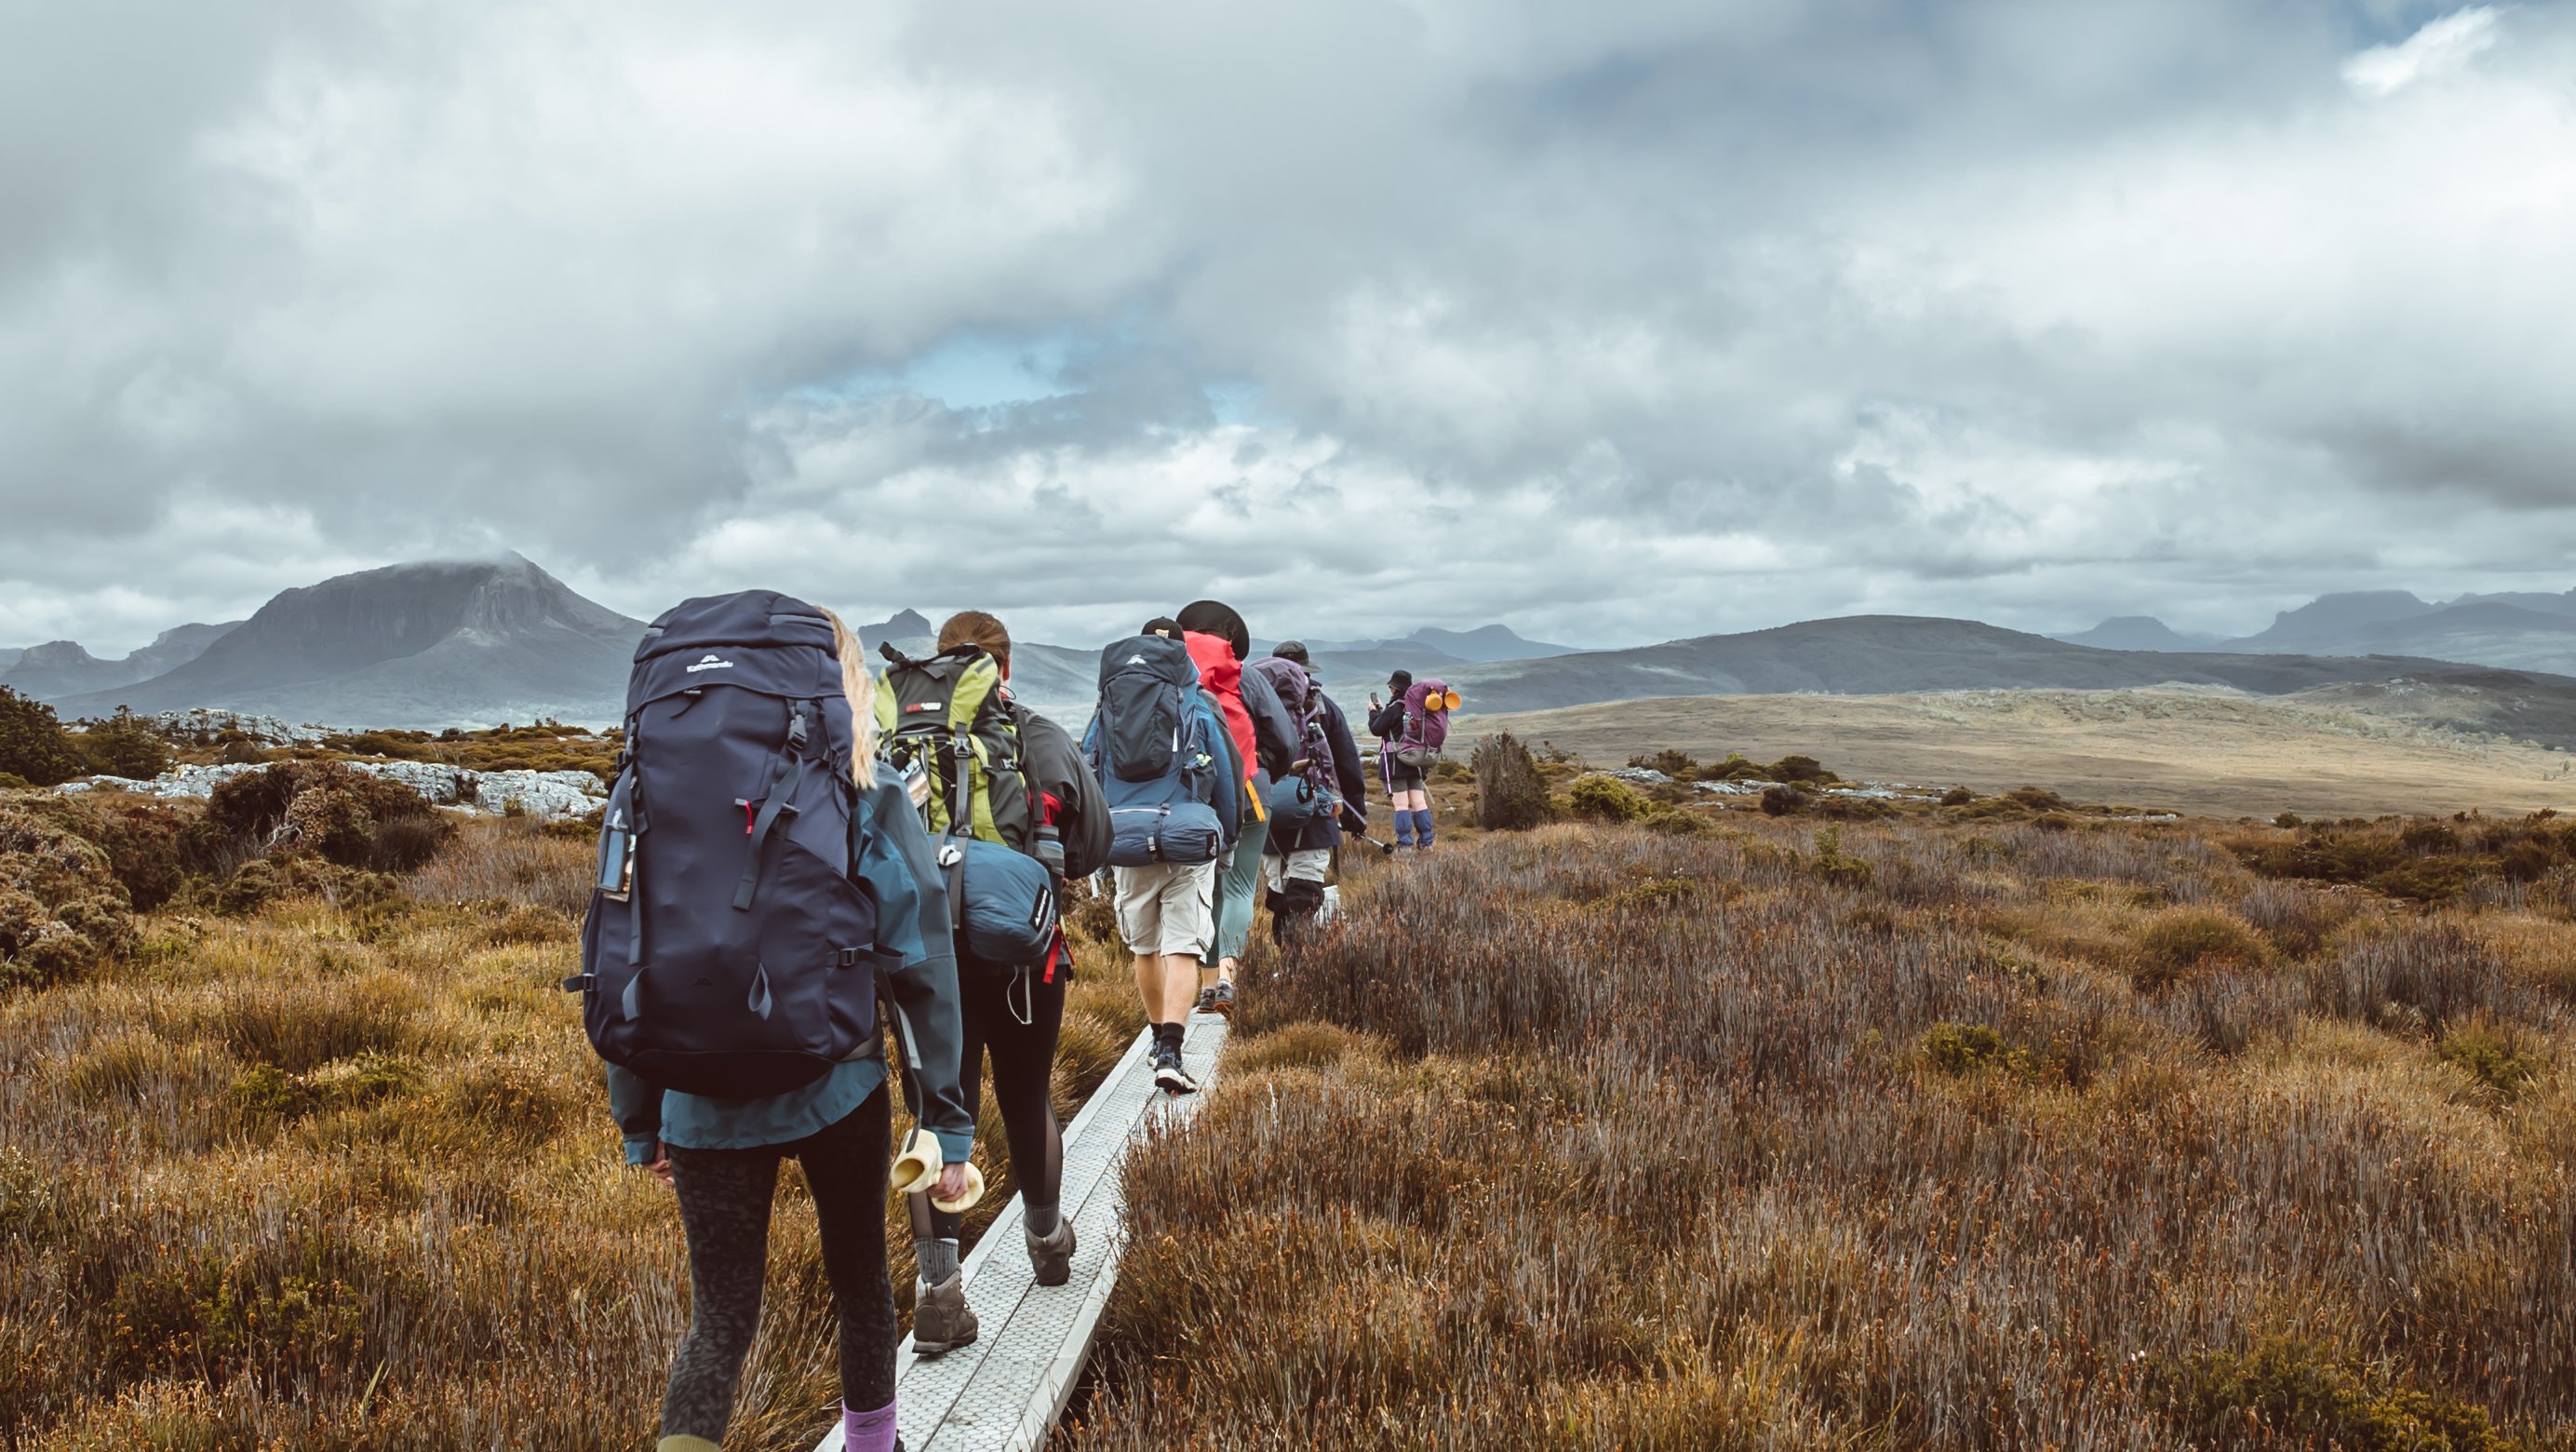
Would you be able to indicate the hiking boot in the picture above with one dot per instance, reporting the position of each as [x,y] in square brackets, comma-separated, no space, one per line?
[1207,1001]
[1221,1000]
[941,1319]
[1169,1076]
[1051,1256]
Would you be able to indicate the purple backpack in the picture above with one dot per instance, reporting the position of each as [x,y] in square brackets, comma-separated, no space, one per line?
[1426,723]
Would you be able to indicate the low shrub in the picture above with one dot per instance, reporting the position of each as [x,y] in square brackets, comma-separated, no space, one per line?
[1801,769]
[62,910]
[2181,942]
[1835,865]
[1964,1048]
[2502,1060]
[2294,1391]
[1784,801]
[349,818]
[1606,799]
[124,746]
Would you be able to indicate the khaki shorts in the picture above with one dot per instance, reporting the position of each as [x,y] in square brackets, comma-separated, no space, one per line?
[1167,909]
[1308,865]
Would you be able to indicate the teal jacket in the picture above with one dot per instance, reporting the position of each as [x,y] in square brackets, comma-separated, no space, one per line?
[894,867]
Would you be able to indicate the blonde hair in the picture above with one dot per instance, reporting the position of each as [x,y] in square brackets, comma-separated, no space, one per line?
[861,688]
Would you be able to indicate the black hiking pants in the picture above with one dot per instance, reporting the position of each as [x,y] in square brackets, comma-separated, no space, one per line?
[991,1006]
[724,1206]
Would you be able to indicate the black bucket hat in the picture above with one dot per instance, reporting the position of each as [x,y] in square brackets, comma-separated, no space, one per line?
[1211,617]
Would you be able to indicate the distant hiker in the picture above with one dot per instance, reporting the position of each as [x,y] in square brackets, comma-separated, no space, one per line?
[1266,742]
[1166,763]
[1412,728]
[1325,790]
[732,976]
[1025,790]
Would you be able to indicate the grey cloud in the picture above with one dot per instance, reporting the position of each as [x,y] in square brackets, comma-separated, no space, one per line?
[1616,321]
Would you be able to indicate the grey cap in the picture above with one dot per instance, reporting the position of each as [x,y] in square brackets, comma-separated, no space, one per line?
[1292,650]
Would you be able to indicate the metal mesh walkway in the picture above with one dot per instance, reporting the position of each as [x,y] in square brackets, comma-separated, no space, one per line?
[1004,1393]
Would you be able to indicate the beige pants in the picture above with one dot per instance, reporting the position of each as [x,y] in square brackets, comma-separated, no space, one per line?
[1308,865]
[1167,909]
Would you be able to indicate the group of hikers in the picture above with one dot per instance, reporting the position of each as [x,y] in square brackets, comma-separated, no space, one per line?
[801,851]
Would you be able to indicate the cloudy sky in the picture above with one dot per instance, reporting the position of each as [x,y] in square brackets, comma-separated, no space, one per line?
[1615,321]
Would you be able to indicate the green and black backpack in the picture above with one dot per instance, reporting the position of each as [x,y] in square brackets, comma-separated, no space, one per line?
[948,717]
[947,713]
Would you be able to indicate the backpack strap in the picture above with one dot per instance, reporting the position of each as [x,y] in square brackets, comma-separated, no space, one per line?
[785,776]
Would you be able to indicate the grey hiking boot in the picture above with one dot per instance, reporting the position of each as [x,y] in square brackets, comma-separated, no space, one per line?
[1051,1256]
[1207,1000]
[941,1319]
[1221,999]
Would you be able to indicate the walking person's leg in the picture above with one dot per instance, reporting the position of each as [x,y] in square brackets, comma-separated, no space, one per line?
[941,1319]
[1238,880]
[1301,891]
[845,1168]
[1023,1089]
[724,1210]
[1418,802]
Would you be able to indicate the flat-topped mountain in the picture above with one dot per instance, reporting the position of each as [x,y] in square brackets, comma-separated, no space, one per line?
[433,644]
[2136,632]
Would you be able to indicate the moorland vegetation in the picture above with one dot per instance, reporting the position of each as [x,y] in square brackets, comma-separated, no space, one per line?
[2028,1128]
[1992,1122]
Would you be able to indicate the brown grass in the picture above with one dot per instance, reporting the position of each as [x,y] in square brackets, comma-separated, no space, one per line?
[2026,1137]
[330,1176]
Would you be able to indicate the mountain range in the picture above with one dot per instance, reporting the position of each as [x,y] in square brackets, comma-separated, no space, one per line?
[2517,630]
[60,668]
[463,643]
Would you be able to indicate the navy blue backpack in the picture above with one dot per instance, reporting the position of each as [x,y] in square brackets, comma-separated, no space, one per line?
[1151,745]
[727,951]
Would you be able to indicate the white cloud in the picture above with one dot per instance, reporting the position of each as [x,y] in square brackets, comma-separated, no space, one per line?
[2442,46]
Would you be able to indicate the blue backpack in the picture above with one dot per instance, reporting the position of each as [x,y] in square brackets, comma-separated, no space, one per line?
[727,950]
[1153,744]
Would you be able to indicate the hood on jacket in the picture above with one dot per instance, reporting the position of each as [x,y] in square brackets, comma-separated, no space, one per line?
[1222,674]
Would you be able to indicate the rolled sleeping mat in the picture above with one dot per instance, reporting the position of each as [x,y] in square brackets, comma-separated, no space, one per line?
[917,1168]
[966,1202]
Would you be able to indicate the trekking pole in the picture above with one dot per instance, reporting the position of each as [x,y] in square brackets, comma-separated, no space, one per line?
[1387,848]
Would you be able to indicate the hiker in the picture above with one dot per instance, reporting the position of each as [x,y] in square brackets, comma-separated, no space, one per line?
[739,1015]
[1324,793]
[1172,781]
[1412,727]
[1266,743]
[1029,792]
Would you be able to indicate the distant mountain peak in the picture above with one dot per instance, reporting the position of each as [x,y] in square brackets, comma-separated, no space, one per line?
[2134,632]
[420,643]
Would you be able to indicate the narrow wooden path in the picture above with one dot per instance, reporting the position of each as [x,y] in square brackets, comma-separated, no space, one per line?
[1005,1392]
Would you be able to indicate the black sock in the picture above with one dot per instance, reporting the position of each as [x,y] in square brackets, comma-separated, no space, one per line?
[1167,1036]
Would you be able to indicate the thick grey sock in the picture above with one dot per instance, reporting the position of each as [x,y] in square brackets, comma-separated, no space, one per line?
[1041,1219]
[937,1257]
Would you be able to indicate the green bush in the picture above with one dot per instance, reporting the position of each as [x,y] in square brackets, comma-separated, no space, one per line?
[1679,765]
[61,908]
[123,746]
[1607,799]
[33,744]
[348,817]
[1964,1048]
[2292,1391]
[1801,770]
[1835,865]
[1784,801]
[2498,1059]
[1511,796]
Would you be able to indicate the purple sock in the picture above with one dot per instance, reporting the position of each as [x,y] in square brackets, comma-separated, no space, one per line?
[867,1431]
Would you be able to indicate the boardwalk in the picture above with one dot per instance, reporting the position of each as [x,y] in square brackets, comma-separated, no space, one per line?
[1004,1393]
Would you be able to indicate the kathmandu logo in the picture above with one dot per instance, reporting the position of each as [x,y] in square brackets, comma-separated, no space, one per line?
[710,663]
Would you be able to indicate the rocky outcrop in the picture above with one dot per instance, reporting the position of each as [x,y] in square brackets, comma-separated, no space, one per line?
[545,795]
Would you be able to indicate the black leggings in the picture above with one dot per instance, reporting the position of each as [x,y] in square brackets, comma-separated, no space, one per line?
[1023,1075]
[724,1205]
